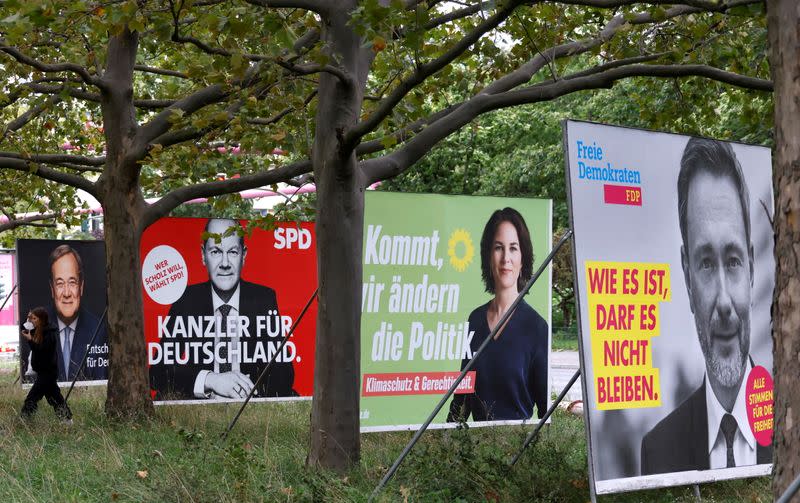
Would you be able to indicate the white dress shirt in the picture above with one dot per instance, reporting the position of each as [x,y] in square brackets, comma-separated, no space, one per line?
[61,335]
[744,442]
[220,329]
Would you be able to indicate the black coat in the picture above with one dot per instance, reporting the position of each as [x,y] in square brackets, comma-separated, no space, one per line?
[44,354]
[680,441]
[177,381]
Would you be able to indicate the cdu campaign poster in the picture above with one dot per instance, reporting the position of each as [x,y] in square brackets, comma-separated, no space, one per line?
[439,271]
[674,268]
[219,302]
[68,279]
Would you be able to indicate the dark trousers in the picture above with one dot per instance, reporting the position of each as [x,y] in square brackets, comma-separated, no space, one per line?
[46,387]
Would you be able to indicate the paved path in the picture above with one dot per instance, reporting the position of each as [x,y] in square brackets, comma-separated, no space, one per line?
[564,364]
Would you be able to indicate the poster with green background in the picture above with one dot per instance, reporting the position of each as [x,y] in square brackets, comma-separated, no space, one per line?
[421,281]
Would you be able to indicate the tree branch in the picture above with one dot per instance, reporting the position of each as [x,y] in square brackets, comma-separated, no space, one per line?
[29,221]
[454,15]
[401,159]
[280,115]
[29,115]
[174,137]
[82,72]
[310,69]
[178,196]
[321,7]
[160,71]
[50,174]
[706,5]
[93,97]
[160,124]
[526,71]
[56,158]
[422,72]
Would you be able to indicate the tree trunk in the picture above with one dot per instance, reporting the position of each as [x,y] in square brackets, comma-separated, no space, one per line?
[335,441]
[128,393]
[566,312]
[783,18]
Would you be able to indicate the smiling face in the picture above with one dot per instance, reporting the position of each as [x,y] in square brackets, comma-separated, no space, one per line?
[224,259]
[506,257]
[718,268]
[66,287]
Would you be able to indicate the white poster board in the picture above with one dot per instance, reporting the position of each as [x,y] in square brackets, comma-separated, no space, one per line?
[675,328]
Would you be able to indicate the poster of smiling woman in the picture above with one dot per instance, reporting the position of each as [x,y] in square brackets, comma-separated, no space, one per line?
[674,273]
[439,273]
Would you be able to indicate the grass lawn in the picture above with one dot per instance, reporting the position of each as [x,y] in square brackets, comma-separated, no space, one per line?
[176,456]
[565,340]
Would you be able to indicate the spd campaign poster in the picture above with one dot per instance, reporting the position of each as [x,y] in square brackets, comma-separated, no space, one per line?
[68,279]
[218,303]
[426,308]
[674,277]
[7,313]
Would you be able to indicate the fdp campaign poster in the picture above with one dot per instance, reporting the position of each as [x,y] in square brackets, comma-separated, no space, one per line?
[674,275]
[68,279]
[218,304]
[438,272]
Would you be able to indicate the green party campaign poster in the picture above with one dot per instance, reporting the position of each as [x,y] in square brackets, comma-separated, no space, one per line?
[439,271]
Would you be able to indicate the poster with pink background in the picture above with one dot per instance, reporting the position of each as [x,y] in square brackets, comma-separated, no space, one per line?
[8,313]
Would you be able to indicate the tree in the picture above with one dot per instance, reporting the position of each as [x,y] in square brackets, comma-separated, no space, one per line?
[784,40]
[73,63]
[352,88]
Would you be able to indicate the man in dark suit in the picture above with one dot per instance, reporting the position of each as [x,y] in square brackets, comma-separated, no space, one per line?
[710,429]
[76,324]
[245,315]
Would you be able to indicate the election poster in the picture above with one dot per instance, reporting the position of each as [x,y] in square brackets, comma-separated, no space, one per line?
[7,283]
[674,268]
[439,271]
[68,279]
[219,303]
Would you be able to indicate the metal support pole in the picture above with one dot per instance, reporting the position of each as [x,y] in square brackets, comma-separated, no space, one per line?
[85,355]
[790,491]
[470,364]
[266,369]
[8,296]
[532,435]
[696,489]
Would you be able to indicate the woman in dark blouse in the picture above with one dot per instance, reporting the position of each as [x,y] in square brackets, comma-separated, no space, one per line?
[511,373]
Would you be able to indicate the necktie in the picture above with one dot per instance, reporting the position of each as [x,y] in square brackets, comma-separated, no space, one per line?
[224,366]
[66,350]
[728,427]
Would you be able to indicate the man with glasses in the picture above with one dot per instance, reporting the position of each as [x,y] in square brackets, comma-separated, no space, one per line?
[76,324]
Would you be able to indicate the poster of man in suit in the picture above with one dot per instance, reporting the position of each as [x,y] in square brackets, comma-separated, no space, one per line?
[68,279]
[212,327]
[674,270]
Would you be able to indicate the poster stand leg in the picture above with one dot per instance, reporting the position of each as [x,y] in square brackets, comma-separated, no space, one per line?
[279,351]
[500,324]
[8,296]
[535,433]
[86,354]
[696,489]
[790,491]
